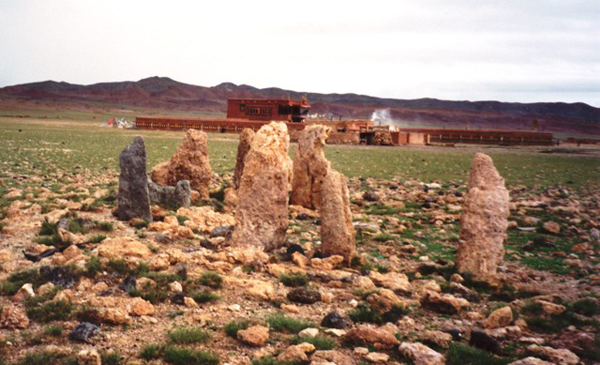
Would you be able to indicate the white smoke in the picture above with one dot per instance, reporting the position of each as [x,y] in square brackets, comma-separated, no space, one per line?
[382,117]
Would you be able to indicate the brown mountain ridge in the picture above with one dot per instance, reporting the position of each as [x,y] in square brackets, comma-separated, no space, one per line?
[165,93]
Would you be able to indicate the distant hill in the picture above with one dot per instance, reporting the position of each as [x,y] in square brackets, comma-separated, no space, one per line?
[165,93]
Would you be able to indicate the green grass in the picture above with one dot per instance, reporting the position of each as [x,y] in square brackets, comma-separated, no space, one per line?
[50,311]
[280,323]
[211,279]
[204,297]
[111,358]
[366,314]
[16,280]
[93,267]
[106,226]
[232,328]
[320,342]
[40,358]
[188,335]
[293,280]
[185,356]
[152,352]
[459,354]
[98,148]
[54,330]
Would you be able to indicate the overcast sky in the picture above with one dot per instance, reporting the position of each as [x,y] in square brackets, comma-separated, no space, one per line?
[521,50]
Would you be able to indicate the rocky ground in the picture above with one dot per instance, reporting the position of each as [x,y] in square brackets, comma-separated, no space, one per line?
[79,286]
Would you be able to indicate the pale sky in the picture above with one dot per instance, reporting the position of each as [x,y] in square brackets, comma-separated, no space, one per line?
[512,50]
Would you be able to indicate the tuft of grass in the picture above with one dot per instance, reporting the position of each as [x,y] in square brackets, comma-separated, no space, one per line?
[106,226]
[97,238]
[140,224]
[268,360]
[16,280]
[366,314]
[459,354]
[280,323]
[320,342]
[587,306]
[188,335]
[54,330]
[232,328]
[204,297]
[93,267]
[39,358]
[363,313]
[184,356]
[293,280]
[59,310]
[111,358]
[154,296]
[211,279]
[182,218]
[152,352]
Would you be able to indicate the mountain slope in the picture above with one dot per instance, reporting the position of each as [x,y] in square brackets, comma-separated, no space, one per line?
[163,92]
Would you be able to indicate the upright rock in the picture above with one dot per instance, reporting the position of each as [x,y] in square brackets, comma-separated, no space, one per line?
[483,222]
[243,147]
[262,208]
[337,232]
[310,166]
[173,197]
[190,162]
[133,199]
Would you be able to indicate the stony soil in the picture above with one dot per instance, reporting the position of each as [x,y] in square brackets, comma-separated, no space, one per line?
[403,278]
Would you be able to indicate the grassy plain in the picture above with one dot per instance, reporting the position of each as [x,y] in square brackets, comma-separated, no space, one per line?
[50,144]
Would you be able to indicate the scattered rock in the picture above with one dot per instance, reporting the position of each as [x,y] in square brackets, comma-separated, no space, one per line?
[120,247]
[262,207]
[13,317]
[304,296]
[173,197]
[225,230]
[296,353]
[89,357]
[141,307]
[333,320]
[310,167]
[484,221]
[552,227]
[254,336]
[84,332]
[443,303]
[328,263]
[377,357]
[337,232]
[25,292]
[59,275]
[530,361]
[128,284]
[482,340]
[308,333]
[499,318]
[420,354]
[397,282]
[379,337]
[190,162]
[133,198]
[438,338]
[557,356]
[331,356]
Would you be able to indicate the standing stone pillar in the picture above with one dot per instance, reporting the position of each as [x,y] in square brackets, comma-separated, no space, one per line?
[262,207]
[310,166]
[337,232]
[190,162]
[483,222]
[243,147]
[133,199]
